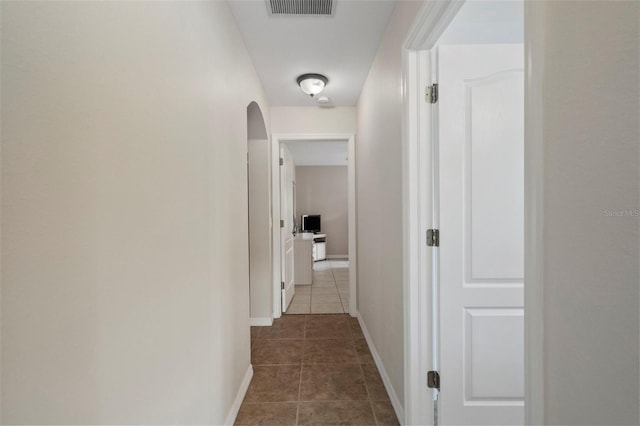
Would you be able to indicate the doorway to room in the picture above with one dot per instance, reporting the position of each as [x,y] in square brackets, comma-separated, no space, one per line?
[315,202]
[259,217]
[469,169]
[320,212]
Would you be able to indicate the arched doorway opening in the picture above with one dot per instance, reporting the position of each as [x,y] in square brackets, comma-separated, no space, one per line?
[259,223]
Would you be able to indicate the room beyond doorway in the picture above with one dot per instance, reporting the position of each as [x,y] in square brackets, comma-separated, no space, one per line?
[328,293]
[282,267]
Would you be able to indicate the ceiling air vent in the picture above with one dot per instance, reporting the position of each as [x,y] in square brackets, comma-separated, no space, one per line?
[300,7]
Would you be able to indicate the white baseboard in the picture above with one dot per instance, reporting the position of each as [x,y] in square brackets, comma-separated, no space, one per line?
[338,256]
[237,402]
[260,322]
[395,401]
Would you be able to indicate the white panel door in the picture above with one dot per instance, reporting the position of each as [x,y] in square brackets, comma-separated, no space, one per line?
[287,173]
[481,163]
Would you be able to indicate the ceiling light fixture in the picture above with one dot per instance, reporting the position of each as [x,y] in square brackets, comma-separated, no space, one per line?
[312,84]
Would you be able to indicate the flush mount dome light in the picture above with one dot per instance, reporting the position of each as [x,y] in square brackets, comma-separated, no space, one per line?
[312,84]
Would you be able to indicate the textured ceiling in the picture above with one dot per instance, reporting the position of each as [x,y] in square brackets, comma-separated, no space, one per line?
[341,46]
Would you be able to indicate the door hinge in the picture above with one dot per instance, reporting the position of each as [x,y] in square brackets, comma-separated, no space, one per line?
[281,223]
[433,380]
[431,93]
[282,285]
[281,161]
[433,237]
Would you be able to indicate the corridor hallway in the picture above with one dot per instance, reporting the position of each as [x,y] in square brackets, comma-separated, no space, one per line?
[314,370]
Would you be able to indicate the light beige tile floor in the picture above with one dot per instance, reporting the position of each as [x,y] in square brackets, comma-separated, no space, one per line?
[329,293]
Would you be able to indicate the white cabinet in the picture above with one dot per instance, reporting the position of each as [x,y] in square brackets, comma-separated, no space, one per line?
[307,248]
[303,259]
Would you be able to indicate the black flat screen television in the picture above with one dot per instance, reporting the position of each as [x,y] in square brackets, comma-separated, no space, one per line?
[311,223]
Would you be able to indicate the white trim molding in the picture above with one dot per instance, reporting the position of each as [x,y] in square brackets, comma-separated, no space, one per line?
[351,207]
[417,262]
[260,322]
[432,20]
[395,401]
[276,138]
[418,176]
[237,402]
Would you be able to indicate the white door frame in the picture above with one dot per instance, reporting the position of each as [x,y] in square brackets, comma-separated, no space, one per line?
[429,25]
[275,190]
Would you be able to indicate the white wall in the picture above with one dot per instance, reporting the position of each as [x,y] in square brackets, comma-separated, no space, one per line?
[260,261]
[125,296]
[323,190]
[591,137]
[379,197]
[310,120]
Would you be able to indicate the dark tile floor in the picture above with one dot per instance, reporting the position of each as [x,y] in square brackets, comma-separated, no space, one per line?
[314,370]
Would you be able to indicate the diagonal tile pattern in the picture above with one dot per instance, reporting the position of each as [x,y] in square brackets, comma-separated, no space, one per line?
[329,293]
[314,370]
